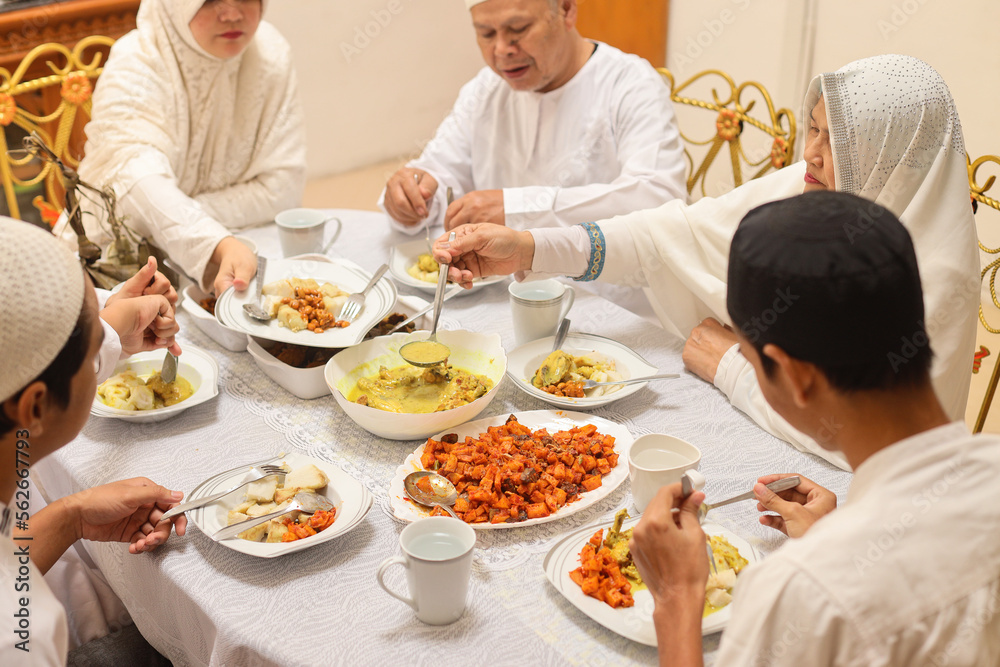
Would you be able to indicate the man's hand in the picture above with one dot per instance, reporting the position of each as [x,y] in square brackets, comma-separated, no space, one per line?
[482,250]
[668,547]
[126,511]
[143,323]
[705,348]
[477,206]
[407,194]
[237,265]
[798,509]
[146,281]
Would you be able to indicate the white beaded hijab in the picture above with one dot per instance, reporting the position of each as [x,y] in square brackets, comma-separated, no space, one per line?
[31,260]
[164,106]
[897,169]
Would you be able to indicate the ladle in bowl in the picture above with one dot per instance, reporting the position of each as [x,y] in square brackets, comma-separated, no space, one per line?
[442,492]
[429,352]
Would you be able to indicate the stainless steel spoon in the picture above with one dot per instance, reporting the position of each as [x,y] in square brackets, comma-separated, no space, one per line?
[561,333]
[253,310]
[304,501]
[431,352]
[442,494]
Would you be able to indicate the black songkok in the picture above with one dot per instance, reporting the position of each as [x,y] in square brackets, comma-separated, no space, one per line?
[828,277]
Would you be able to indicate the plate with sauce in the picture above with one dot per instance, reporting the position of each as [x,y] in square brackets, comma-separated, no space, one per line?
[636,622]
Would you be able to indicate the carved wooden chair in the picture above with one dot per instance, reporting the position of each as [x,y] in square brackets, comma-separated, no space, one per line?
[56,103]
[989,310]
[731,105]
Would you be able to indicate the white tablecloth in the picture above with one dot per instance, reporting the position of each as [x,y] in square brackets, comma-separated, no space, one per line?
[200,603]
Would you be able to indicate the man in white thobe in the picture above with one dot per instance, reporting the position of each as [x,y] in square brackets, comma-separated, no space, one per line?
[907,571]
[555,131]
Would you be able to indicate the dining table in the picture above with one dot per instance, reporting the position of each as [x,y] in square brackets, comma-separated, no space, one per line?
[200,603]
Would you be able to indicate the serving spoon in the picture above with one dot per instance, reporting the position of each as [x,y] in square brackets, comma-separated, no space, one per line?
[253,310]
[429,351]
[443,493]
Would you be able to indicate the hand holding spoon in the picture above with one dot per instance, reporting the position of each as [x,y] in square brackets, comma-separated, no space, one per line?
[429,352]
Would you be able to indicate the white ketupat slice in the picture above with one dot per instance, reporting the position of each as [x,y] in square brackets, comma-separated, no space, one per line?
[261,509]
[280,288]
[718,597]
[256,533]
[307,477]
[235,517]
[285,494]
[262,491]
[276,529]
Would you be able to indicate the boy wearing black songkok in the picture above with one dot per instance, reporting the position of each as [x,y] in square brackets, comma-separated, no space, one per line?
[825,294]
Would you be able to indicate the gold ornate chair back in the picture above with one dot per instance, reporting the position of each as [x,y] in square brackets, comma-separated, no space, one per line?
[50,93]
[982,175]
[753,142]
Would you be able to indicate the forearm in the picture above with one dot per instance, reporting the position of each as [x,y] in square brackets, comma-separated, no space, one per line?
[52,530]
[176,222]
[678,633]
[256,201]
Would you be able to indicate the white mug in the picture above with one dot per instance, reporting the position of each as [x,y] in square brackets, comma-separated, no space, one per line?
[437,555]
[301,231]
[537,308]
[656,460]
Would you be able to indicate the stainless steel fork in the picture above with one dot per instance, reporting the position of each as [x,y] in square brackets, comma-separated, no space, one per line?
[352,307]
[257,473]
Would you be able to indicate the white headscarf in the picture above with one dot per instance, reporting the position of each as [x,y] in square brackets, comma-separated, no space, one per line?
[897,140]
[164,106]
[29,340]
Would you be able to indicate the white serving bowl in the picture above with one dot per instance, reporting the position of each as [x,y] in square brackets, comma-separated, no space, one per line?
[480,354]
[307,383]
[204,320]
[194,365]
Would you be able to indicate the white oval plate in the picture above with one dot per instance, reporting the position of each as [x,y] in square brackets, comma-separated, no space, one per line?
[553,420]
[194,365]
[525,360]
[350,497]
[404,255]
[635,623]
[346,275]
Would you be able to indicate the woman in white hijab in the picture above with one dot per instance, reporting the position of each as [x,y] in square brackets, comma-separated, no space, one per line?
[884,128]
[197,127]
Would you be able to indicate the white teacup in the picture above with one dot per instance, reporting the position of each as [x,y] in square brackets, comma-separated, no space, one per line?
[301,231]
[656,460]
[537,307]
[437,555]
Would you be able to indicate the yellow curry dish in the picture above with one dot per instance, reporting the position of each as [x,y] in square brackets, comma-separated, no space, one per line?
[563,374]
[415,390]
[127,391]
[426,269]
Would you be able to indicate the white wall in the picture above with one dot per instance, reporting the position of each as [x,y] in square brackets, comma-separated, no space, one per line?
[376,76]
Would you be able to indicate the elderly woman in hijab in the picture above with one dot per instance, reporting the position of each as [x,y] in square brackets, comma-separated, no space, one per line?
[197,127]
[884,128]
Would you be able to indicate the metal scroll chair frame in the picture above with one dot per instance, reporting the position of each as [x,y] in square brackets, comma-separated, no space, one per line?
[732,106]
[978,193]
[75,83]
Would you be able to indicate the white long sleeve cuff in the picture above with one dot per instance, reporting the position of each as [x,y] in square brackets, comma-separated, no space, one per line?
[562,251]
